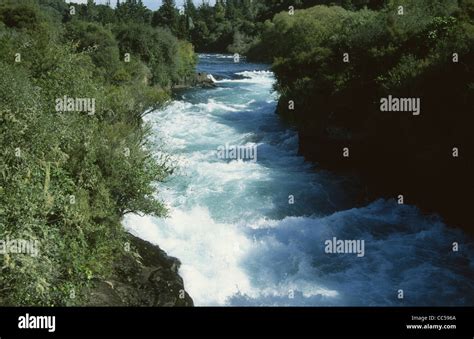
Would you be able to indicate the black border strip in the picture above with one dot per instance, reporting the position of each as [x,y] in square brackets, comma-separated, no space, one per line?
[240,321]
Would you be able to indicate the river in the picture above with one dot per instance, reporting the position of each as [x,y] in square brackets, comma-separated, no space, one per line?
[256,231]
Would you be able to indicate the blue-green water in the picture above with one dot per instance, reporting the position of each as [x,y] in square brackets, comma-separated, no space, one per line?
[241,240]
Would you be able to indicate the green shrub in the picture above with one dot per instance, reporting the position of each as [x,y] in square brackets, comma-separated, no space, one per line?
[67,178]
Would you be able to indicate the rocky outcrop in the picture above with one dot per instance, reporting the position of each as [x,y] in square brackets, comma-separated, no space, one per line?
[200,79]
[144,276]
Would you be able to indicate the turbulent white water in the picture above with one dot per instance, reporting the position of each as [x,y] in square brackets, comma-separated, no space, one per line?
[242,243]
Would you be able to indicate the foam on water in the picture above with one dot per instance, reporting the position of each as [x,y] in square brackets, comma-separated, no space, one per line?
[242,243]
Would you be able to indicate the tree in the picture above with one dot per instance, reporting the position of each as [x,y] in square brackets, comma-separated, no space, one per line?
[166,16]
[230,10]
[190,9]
[133,11]
[219,11]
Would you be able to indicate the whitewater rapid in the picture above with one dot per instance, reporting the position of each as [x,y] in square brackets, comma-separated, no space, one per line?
[241,241]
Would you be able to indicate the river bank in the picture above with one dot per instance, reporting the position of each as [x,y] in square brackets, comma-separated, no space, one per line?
[144,276]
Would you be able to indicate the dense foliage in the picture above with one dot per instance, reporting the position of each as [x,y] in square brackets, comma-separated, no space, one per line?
[67,177]
[233,26]
[424,50]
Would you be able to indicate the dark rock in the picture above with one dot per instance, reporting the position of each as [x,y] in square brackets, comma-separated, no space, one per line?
[145,276]
[203,80]
[200,79]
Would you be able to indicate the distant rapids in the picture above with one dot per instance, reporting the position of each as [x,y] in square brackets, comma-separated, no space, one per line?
[243,240]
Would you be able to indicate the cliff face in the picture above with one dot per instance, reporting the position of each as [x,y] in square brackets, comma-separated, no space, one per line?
[145,276]
[394,156]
